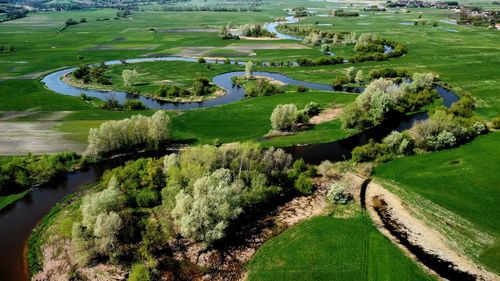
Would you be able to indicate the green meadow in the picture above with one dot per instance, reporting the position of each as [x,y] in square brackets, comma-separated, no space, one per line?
[465,182]
[328,248]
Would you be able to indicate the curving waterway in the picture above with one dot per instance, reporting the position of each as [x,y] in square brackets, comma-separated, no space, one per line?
[18,220]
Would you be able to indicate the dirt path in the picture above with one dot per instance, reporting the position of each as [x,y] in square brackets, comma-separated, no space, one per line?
[326,115]
[37,137]
[419,233]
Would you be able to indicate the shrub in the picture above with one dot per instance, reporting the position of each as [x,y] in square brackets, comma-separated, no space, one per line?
[303,184]
[326,169]
[201,86]
[201,60]
[302,89]
[337,193]
[134,105]
[495,123]
[444,139]
[147,198]
[312,109]
[284,117]
[260,87]
[139,272]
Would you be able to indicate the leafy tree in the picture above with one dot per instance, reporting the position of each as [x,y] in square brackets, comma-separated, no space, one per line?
[249,70]
[129,77]
[106,229]
[284,117]
[205,214]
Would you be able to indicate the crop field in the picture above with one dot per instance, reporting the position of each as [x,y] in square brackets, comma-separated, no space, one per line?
[327,248]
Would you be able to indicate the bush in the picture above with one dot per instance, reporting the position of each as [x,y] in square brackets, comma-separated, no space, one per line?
[444,139]
[337,193]
[260,88]
[302,89]
[139,272]
[495,123]
[312,109]
[201,60]
[326,169]
[284,117]
[303,184]
[201,86]
[147,198]
[134,105]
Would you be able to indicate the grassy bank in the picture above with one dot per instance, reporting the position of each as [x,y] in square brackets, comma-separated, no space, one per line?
[327,248]
[9,199]
[463,181]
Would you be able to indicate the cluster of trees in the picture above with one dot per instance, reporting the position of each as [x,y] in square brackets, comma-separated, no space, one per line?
[383,98]
[112,104]
[225,33]
[124,13]
[260,88]
[14,13]
[21,172]
[255,30]
[201,86]
[137,132]
[209,9]
[95,74]
[197,193]
[320,61]
[445,128]
[70,22]
[344,13]
[351,76]
[286,117]
[300,12]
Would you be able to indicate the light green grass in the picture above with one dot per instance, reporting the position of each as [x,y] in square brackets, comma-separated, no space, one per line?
[327,248]
[249,119]
[462,180]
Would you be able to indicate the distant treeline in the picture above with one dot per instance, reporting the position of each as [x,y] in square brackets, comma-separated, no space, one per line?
[209,9]
[13,13]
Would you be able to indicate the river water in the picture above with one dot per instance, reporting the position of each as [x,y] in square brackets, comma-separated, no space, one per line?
[18,220]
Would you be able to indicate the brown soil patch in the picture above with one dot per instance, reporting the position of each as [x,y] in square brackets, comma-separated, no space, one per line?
[418,232]
[326,115]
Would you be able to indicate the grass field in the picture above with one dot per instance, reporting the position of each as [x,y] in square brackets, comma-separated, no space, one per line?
[464,181]
[327,248]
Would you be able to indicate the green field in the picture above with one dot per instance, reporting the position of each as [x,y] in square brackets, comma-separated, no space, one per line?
[464,181]
[327,248]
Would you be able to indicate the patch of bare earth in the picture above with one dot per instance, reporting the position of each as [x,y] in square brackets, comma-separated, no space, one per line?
[37,137]
[326,115]
[58,265]
[418,232]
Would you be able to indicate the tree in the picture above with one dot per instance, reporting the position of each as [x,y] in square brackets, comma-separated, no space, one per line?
[325,48]
[205,214]
[337,193]
[129,77]
[106,230]
[351,74]
[360,77]
[284,117]
[249,70]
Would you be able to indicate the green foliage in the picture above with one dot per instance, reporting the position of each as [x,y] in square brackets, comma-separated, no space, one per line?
[134,105]
[260,88]
[147,198]
[21,172]
[135,132]
[139,272]
[284,117]
[303,184]
[337,193]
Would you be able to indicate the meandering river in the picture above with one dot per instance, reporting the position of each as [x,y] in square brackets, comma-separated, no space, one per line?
[18,220]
